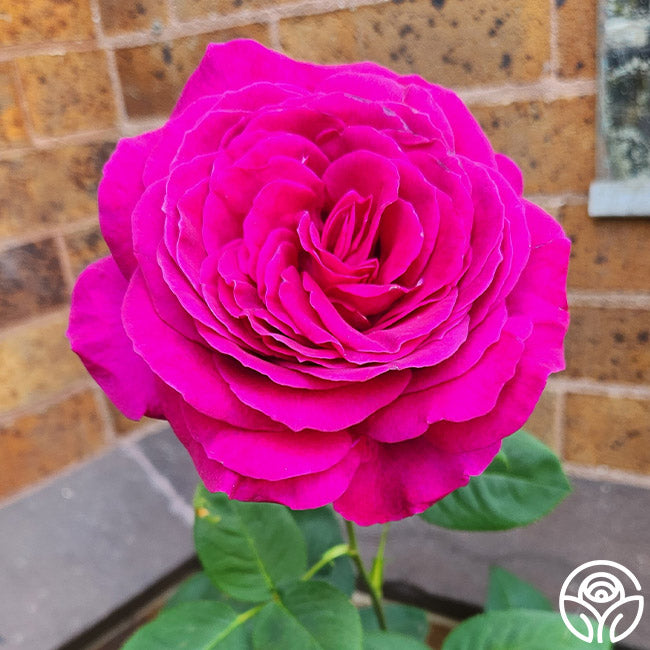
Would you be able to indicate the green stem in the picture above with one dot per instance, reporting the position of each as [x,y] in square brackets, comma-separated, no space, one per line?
[375,594]
[377,571]
[329,556]
[240,620]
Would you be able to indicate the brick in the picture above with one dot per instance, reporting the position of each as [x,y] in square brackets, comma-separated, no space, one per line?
[68,93]
[35,362]
[46,188]
[322,38]
[153,75]
[608,431]
[189,9]
[606,253]
[34,21]
[460,42]
[85,247]
[39,444]
[553,142]
[31,281]
[542,421]
[609,344]
[12,125]
[577,37]
[132,15]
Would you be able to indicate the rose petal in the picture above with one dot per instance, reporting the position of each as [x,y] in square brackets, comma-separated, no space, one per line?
[268,455]
[119,190]
[190,370]
[97,335]
[323,410]
[400,480]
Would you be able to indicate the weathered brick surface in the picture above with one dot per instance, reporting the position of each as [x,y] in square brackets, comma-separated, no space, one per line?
[12,123]
[31,281]
[609,344]
[36,362]
[153,76]
[553,142]
[608,431]
[68,93]
[606,253]
[189,9]
[85,247]
[35,21]
[120,16]
[39,444]
[323,38]
[44,188]
[577,37]
[459,42]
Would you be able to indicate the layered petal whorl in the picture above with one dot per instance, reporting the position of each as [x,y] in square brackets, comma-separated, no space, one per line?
[328,283]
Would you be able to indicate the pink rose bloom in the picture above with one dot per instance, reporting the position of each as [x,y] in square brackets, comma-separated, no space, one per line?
[328,283]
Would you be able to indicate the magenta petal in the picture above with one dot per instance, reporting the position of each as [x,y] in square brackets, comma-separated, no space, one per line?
[268,455]
[119,191]
[216,74]
[97,335]
[475,392]
[546,271]
[300,492]
[323,410]
[181,363]
[148,227]
[509,169]
[400,480]
[469,139]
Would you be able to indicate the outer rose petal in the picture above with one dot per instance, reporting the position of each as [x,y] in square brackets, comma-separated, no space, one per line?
[299,493]
[511,172]
[216,74]
[263,454]
[119,191]
[97,335]
[180,363]
[403,479]
[546,272]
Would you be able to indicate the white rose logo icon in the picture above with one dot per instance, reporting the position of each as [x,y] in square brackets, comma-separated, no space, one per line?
[607,594]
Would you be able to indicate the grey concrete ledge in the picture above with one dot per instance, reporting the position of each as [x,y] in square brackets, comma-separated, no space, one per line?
[620,198]
[76,550]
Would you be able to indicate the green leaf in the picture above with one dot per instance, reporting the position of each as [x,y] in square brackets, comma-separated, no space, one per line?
[516,629]
[308,616]
[248,550]
[404,619]
[199,625]
[391,641]
[322,531]
[507,591]
[523,483]
[200,587]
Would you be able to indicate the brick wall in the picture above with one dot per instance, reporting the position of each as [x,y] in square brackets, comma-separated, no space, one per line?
[75,75]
